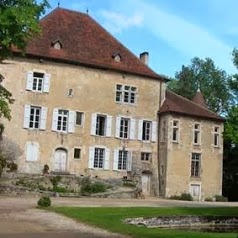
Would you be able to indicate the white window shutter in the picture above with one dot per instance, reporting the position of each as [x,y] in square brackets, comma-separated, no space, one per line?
[129,161]
[107,159]
[118,124]
[91,157]
[154,131]
[115,161]
[93,124]
[140,129]
[71,122]
[29,80]
[55,119]
[43,118]
[27,110]
[132,128]
[109,126]
[46,87]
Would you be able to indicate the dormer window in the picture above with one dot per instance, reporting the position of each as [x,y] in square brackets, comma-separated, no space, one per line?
[57,45]
[117,57]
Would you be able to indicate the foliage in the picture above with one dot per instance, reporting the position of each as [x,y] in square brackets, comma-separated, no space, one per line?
[204,75]
[112,219]
[44,202]
[19,22]
[220,198]
[88,187]
[183,196]
[46,169]
[12,166]
[55,181]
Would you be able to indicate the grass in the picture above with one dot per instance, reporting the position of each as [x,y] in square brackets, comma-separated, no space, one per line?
[111,219]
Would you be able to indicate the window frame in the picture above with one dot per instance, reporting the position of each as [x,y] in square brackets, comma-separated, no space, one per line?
[81,118]
[39,81]
[197,133]
[146,131]
[101,125]
[146,154]
[80,153]
[126,94]
[216,136]
[195,169]
[34,120]
[61,125]
[175,131]
[99,151]
[124,131]
[123,159]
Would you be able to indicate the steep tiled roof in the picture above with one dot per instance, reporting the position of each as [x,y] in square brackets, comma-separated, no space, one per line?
[199,99]
[83,42]
[180,105]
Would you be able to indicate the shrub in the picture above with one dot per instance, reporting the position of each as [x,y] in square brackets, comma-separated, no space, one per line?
[44,202]
[220,198]
[87,187]
[209,199]
[12,166]
[46,169]
[183,196]
[55,181]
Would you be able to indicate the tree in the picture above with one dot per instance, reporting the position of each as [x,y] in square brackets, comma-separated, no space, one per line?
[204,75]
[19,22]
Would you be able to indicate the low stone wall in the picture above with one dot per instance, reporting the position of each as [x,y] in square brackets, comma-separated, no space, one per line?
[183,221]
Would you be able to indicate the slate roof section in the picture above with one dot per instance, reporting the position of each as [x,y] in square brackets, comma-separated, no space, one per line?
[84,42]
[179,105]
[199,99]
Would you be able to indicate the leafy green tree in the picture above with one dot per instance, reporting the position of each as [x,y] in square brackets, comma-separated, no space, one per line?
[204,75]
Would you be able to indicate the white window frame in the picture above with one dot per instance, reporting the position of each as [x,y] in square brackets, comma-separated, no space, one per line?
[126,94]
[146,156]
[122,160]
[124,128]
[196,159]
[106,158]
[175,131]
[197,132]
[34,80]
[216,136]
[121,131]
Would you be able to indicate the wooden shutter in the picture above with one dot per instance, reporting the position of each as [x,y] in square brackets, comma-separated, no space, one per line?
[109,126]
[118,124]
[140,129]
[107,159]
[93,124]
[115,161]
[43,118]
[71,122]
[132,128]
[55,119]
[29,80]
[27,110]
[154,131]
[46,86]
[91,157]
[129,161]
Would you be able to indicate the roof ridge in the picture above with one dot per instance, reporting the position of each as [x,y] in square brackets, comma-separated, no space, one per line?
[186,99]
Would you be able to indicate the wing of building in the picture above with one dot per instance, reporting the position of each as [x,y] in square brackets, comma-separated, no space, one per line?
[86,105]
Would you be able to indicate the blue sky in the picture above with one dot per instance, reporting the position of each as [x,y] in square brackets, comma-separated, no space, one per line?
[172,31]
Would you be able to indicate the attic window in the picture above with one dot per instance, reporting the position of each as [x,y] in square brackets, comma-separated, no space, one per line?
[117,57]
[57,45]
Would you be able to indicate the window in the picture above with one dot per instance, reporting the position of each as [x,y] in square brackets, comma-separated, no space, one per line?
[196,165]
[99,158]
[35,117]
[122,160]
[216,134]
[146,133]
[32,151]
[77,153]
[196,134]
[175,131]
[101,125]
[125,94]
[145,156]
[79,119]
[38,81]
[124,128]
[70,92]
[63,120]
[99,155]
[163,134]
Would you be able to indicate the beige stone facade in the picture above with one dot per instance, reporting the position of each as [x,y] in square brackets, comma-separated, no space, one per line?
[186,166]
[92,91]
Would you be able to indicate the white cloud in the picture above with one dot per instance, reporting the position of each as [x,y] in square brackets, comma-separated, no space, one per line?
[116,22]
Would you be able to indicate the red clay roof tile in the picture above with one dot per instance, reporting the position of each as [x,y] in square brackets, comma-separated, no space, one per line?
[179,105]
[199,99]
[84,42]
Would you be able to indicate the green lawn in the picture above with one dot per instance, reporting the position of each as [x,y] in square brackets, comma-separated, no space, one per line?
[111,219]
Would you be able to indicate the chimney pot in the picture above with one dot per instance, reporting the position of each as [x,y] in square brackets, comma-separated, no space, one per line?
[144,57]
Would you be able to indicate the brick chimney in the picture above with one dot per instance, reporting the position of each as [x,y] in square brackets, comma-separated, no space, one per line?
[144,57]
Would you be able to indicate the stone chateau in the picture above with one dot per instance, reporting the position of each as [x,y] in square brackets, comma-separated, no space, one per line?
[86,105]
